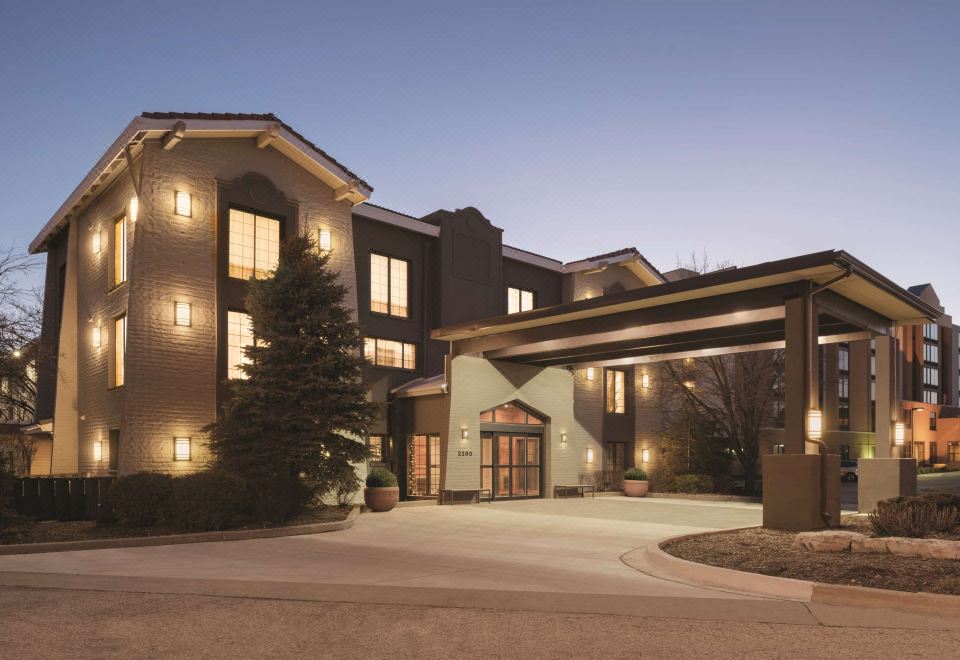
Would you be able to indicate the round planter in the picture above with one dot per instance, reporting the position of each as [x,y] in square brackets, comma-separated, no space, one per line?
[633,488]
[381,499]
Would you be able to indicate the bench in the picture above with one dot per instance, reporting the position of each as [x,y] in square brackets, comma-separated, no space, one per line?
[579,488]
[464,495]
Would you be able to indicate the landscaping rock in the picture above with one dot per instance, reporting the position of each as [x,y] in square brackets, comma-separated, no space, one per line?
[904,547]
[868,545]
[826,541]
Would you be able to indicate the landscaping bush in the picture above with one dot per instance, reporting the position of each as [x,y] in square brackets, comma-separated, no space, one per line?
[635,474]
[206,501]
[139,500]
[692,483]
[276,499]
[343,485]
[380,478]
[916,516]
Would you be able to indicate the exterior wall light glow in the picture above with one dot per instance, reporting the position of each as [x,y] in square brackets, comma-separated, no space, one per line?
[591,373]
[645,381]
[134,208]
[814,424]
[95,242]
[184,204]
[690,385]
[589,455]
[96,338]
[465,433]
[181,449]
[645,456]
[324,241]
[183,314]
[898,434]
[563,438]
[98,451]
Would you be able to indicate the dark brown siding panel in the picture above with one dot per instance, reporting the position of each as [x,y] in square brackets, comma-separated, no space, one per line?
[547,285]
[50,332]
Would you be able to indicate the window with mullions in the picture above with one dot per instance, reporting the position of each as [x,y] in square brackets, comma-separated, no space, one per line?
[254,245]
[843,387]
[378,448]
[953,452]
[616,391]
[239,336]
[423,477]
[120,251]
[931,353]
[388,286]
[931,376]
[843,359]
[519,300]
[930,396]
[390,353]
[931,331]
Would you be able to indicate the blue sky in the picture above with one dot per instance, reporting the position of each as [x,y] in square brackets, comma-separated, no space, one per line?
[751,130]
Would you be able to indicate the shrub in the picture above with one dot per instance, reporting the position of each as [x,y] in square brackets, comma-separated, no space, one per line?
[635,474]
[139,500]
[276,499]
[206,501]
[692,483]
[916,516]
[380,478]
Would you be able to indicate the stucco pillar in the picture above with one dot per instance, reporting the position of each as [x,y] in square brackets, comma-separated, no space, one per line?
[801,373]
[886,396]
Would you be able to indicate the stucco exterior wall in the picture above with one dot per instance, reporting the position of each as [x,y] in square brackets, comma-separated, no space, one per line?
[477,385]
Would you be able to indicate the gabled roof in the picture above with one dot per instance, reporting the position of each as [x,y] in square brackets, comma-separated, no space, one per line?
[629,257]
[172,127]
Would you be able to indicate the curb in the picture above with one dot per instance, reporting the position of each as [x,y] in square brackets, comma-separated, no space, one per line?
[652,560]
[710,497]
[178,539]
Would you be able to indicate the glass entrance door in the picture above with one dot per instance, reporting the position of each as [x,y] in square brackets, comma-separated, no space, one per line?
[423,477]
[510,464]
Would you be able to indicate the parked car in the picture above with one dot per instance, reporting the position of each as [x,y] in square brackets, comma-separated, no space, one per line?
[848,470]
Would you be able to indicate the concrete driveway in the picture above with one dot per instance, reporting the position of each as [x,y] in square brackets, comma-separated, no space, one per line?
[571,546]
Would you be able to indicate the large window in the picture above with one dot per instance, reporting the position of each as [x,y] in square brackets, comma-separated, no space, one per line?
[390,353]
[931,376]
[616,391]
[254,245]
[388,286]
[843,359]
[519,300]
[953,452]
[424,474]
[239,336]
[119,350]
[930,331]
[120,251]
[930,396]
[843,387]
[931,353]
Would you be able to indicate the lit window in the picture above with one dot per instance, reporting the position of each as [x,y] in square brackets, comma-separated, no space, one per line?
[931,376]
[97,451]
[388,286]
[933,421]
[953,452]
[645,381]
[843,359]
[95,242]
[119,350]
[843,387]
[134,209]
[324,241]
[389,353]
[181,449]
[184,204]
[377,445]
[96,336]
[182,316]
[616,394]
[120,251]
[239,336]
[591,373]
[519,300]
[254,245]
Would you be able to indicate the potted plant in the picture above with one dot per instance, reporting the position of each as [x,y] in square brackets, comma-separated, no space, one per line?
[635,483]
[382,492]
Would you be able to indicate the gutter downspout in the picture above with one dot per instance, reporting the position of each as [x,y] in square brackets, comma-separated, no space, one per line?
[822,446]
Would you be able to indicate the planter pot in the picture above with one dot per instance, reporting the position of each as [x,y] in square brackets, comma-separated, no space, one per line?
[381,499]
[633,488]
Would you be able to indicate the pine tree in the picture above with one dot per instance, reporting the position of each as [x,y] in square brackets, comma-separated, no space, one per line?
[294,425]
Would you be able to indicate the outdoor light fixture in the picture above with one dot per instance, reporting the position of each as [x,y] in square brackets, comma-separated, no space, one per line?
[96,336]
[17,353]
[591,373]
[98,451]
[645,381]
[134,209]
[589,455]
[644,455]
[465,433]
[182,316]
[95,243]
[181,449]
[689,384]
[184,204]
[898,433]
[814,424]
[324,241]
[563,438]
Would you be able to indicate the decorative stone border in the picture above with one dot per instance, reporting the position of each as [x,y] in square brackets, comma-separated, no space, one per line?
[713,497]
[840,541]
[177,539]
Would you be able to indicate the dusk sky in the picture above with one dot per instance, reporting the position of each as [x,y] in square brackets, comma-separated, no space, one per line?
[752,130]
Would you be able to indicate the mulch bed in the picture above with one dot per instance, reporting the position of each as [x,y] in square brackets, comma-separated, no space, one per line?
[771,552]
[87,530]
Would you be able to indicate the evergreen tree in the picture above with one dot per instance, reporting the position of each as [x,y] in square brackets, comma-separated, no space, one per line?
[294,425]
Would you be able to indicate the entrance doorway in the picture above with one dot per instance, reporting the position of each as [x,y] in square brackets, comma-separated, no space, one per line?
[511,452]
[424,474]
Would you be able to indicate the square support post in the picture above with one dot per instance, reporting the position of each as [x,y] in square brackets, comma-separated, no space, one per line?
[801,373]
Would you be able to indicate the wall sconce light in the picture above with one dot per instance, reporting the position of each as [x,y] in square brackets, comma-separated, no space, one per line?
[644,455]
[898,433]
[690,384]
[645,381]
[464,433]
[589,455]
[324,241]
[181,449]
[134,209]
[563,438]
[96,337]
[182,315]
[814,424]
[95,242]
[591,373]
[98,451]
[184,204]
